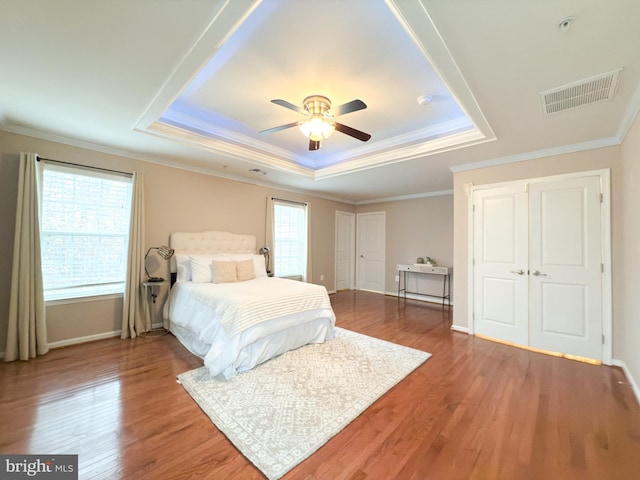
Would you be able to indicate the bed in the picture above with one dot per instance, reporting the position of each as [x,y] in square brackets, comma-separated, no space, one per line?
[224,307]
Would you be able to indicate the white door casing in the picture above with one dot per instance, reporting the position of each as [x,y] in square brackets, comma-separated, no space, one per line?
[370,233]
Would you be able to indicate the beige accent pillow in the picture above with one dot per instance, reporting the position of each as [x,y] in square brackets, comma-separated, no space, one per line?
[224,271]
[245,270]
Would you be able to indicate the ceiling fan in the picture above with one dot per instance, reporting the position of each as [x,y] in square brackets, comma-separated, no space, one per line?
[319,122]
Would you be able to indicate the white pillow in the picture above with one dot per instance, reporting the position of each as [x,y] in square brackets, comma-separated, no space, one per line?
[183,263]
[202,267]
[258,262]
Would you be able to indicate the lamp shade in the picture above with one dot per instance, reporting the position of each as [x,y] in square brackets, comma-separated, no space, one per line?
[165,253]
[317,128]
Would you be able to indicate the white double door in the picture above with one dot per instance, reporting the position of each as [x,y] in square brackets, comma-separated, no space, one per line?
[538,265]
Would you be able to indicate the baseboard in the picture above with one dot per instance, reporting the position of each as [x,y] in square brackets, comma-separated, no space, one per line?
[88,338]
[457,328]
[630,379]
[78,340]
[420,298]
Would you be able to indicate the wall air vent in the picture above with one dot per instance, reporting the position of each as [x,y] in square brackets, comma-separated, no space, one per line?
[591,90]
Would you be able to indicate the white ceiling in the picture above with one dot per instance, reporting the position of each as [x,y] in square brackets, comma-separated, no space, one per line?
[189,83]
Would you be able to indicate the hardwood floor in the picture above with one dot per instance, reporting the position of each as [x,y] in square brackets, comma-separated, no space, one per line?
[475,410]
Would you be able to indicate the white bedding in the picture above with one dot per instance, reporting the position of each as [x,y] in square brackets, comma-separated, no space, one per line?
[236,326]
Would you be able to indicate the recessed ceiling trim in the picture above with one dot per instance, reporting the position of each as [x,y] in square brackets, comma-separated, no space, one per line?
[226,20]
[215,138]
[229,150]
[410,152]
[185,122]
[422,136]
[415,19]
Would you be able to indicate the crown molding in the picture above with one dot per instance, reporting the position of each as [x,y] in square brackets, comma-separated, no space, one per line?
[548,152]
[401,198]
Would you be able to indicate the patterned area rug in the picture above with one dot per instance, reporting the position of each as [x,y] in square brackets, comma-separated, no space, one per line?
[282,411]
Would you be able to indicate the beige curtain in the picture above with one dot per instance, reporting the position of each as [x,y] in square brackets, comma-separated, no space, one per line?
[27,329]
[268,234]
[134,320]
[308,276]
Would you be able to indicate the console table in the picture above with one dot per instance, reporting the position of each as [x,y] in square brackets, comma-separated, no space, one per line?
[444,272]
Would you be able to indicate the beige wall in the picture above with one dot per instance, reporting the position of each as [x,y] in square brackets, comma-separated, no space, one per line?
[596,159]
[628,335]
[175,200]
[416,228]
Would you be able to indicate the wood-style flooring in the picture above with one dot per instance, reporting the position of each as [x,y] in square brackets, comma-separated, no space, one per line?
[475,410]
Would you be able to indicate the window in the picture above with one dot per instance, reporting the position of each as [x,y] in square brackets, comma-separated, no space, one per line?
[290,239]
[84,231]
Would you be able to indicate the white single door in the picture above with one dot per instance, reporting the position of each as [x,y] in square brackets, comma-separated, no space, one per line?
[565,261]
[500,307]
[345,250]
[371,247]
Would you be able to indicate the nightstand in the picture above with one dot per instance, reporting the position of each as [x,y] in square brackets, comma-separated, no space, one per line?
[154,288]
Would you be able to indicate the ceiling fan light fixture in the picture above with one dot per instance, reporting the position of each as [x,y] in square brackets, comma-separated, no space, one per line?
[318,123]
[317,128]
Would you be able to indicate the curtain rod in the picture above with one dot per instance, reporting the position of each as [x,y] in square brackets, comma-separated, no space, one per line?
[85,166]
[289,201]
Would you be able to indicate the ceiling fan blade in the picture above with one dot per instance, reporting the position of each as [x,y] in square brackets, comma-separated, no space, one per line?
[352,106]
[290,106]
[352,132]
[314,145]
[277,129]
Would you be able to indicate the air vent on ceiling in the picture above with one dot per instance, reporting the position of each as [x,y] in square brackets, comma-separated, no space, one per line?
[591,90]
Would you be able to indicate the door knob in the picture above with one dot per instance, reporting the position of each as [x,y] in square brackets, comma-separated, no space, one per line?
[518,272]
[538,274]
[361,256]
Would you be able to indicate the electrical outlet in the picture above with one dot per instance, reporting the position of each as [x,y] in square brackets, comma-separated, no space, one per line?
[321,277]
[397,278]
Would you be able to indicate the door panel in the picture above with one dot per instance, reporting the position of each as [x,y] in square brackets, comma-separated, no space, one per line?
[565,262]
[564,309]
[500,263]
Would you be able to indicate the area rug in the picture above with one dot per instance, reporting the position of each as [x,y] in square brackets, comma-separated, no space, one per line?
[282,411]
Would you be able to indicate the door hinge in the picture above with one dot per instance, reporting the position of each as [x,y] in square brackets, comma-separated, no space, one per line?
[474,208]
[602,267]
[601,198]
[603,338]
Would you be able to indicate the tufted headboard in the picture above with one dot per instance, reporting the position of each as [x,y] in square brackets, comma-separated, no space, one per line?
[211,242]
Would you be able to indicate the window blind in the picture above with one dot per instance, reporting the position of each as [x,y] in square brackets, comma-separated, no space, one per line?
[290,239]
[85,216]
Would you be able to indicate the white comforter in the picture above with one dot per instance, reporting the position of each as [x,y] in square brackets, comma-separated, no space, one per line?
[235,326]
